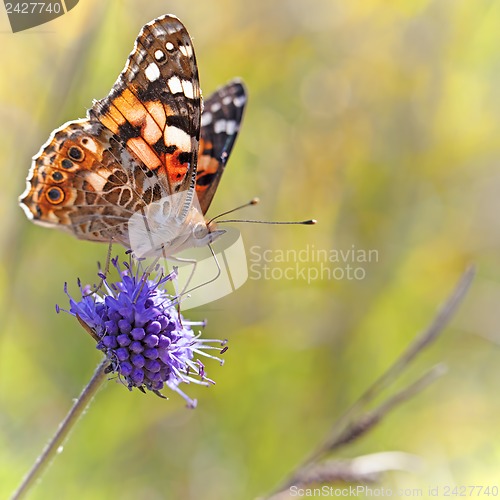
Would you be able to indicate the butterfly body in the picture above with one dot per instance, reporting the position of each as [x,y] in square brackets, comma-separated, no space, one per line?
[145,162]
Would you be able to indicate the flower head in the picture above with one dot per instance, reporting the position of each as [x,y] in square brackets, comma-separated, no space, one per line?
[138,327]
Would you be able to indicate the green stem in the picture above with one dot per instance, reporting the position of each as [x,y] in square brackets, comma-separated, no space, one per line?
[51,450]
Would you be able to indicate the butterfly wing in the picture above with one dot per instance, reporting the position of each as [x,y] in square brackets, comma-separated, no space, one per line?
[137,145]
[220,123]
[155,105]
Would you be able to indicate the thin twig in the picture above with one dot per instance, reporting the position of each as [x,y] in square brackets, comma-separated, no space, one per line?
[416,347]
[347,428]
[53,446]
[367,421]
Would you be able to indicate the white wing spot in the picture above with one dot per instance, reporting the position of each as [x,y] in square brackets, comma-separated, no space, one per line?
[159,55]
[231,127]
[175,85]
[215,107]
[169,46]
[97,179]
[206,118]
[91,145]
[227,100]
[220,126]
[240,101]
[152,72]
[177,137]
[188,89]
[183,50]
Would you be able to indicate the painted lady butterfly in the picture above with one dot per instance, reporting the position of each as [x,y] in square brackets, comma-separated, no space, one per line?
[145,149]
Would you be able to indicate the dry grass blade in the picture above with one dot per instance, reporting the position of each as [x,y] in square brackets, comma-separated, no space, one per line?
[355,423]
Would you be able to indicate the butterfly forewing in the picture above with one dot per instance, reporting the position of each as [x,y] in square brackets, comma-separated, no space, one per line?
[154,107]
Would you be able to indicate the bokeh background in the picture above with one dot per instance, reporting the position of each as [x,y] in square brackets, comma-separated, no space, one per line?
[379,119]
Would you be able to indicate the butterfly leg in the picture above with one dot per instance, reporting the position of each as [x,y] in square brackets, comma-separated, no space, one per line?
[186,290]
[102,275]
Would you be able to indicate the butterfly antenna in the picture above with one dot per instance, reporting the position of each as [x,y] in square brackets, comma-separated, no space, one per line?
[309,222]
[253,201]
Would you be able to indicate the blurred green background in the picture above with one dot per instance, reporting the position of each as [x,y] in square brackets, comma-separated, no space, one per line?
[379,119]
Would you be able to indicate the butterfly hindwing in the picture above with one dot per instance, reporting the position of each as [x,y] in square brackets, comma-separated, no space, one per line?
[220,123]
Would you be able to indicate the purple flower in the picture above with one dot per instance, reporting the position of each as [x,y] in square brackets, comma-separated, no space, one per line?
[137,325]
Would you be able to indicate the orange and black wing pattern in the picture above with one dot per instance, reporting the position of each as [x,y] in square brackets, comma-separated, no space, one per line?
[220,123]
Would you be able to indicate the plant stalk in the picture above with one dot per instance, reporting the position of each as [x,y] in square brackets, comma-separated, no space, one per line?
[53,446]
